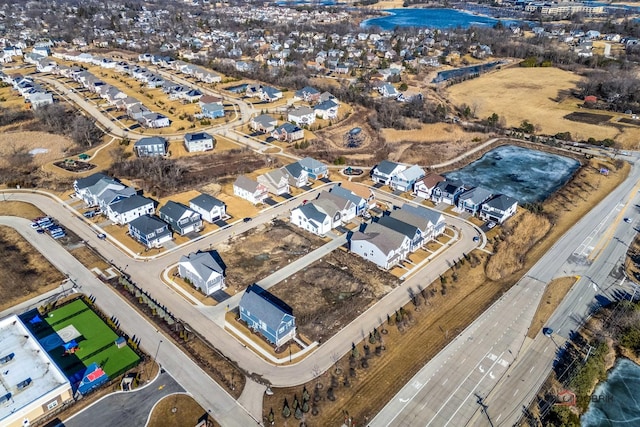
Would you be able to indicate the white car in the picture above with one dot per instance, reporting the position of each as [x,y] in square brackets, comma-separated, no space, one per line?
[627,220]
[491,224]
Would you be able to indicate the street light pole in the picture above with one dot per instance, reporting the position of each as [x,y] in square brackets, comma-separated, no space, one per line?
[155,358]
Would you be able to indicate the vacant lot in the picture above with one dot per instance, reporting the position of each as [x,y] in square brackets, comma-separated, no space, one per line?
[44,147]
[26,273]
[540,95]
[263,250]
[330,293]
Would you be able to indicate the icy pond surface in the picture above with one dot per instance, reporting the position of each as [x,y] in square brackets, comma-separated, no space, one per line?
[527,175]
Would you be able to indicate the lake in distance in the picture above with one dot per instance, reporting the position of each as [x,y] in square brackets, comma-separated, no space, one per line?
[439,18]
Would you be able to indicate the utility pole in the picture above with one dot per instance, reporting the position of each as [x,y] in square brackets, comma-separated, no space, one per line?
[484,408]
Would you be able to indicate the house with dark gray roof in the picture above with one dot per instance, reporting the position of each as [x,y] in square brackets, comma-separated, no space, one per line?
[411,231]
[266,314]
[311,218]
[288,132]
[381,245]
[447,192]
[361,204]
[298,177]
[180,218]
[204,270]
[333,202]
[384,171]
[209,208]
[433,217]
[149,230]
[126,210]
[100,190]
[151,146]
[198,141]
[471,200]
[499,208]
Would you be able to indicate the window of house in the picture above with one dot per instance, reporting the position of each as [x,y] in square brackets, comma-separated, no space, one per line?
[52,405]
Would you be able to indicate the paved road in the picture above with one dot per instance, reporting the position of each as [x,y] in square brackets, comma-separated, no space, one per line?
[146,275]
[445,391]
[127,408]
[206,391]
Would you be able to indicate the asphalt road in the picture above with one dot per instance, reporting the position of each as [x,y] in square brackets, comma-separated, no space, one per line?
[146,274]
[493,350]
[126,408]
[206,391]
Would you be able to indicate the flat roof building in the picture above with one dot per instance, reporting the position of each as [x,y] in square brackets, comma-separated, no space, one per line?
[31,384]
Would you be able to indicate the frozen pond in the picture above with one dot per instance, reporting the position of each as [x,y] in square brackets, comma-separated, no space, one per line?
[527,175]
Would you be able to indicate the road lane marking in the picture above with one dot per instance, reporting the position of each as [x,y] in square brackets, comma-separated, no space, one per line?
[545,349]
[498,419]
[481,369]
[516,392]
[451,394]
[445,381]
[468,395]
[493,377]
[492,357]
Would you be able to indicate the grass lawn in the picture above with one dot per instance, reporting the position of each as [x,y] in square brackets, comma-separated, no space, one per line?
[176,411]
[97,343]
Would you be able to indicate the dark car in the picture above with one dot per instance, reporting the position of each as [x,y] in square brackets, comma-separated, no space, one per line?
[247,219]
[547,332]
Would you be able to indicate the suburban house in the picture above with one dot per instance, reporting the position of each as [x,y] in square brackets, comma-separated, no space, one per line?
[269,94]
[198,141]
[209,208]
[250,190]
[268,315]
[413,232]
[307,94]
[298,177]
[327,110]
[150,231]
[92,188]
[362,191]
[212,110]
[471,201]
[387,90]
[40,99]
[276,181]
[310,218]
[263,123]
[203,270]
[384,171]
[107,195]
[404,180]
[430,221]
[126,210]
[447,192]
[314,168]
[180,218]
[424,187]
[151,146]
[332,203]
[360,203]
[154,120]
[302,116]
[380,245]
[499,208]
[288,132]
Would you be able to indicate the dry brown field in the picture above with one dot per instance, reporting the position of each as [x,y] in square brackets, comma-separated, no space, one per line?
[15,142]
[540,95]
[553,295]
[26,272]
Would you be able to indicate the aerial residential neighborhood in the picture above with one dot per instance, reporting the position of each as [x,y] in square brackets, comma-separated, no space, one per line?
[342,214]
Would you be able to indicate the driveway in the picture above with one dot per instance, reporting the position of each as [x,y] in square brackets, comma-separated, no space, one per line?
[126,409]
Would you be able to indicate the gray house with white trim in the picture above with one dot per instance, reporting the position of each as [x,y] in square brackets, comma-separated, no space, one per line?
[209,208]
[180,218]
[204,270]
[152,146]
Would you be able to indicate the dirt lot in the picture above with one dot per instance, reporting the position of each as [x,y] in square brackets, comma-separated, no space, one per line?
[26,272]
[540,95]
[330,293]
[256,254]
[590,118]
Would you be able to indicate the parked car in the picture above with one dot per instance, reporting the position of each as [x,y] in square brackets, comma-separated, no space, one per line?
[102,236]
[491,224]
[547,332]
[247,219]
[40,231]
[35,225]
[627,220]
[476,238]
